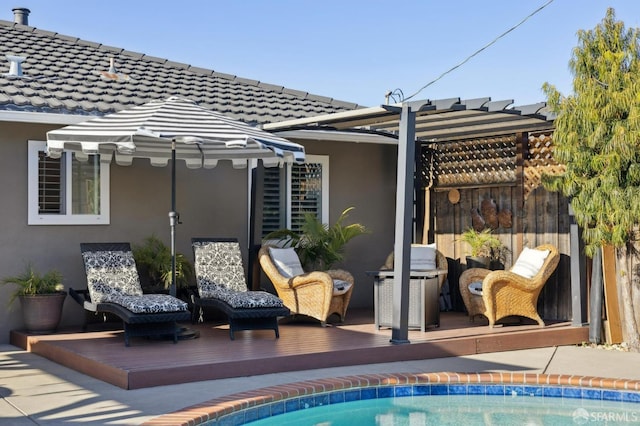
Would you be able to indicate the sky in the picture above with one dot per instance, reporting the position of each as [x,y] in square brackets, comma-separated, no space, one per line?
[350,50]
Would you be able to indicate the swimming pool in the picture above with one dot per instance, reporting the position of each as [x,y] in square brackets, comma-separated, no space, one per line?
[596,394]
[467,410]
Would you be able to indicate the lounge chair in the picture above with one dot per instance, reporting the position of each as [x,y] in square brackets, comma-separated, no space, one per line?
[221,285]
[113,287]
[315,294]
[500,294]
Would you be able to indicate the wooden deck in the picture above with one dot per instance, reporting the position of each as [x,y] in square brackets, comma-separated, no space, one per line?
[302,345]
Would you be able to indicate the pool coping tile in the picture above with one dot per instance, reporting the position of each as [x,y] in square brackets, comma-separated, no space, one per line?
[232,409]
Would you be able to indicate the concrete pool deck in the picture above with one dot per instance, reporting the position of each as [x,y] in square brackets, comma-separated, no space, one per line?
[36,391]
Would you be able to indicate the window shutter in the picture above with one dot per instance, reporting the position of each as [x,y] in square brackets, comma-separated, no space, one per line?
[273,215]
[49,184]
[305,187]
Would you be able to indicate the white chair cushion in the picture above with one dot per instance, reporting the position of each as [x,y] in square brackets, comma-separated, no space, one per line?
[476,288]
[340,287]
[529,262]
[287,261]
[423,257]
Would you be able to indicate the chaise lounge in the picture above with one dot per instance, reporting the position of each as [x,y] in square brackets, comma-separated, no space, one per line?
[221,285]
[113,287]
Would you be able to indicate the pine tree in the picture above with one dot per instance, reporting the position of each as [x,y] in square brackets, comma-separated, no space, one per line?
[597,139]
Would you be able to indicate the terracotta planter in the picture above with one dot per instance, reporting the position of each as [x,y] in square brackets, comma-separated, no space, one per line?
[42,312]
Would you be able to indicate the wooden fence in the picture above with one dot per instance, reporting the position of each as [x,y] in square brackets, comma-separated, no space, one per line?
[507,170]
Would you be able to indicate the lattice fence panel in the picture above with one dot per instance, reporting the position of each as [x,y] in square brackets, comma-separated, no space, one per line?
[539,160]
[476,162]
[488,161]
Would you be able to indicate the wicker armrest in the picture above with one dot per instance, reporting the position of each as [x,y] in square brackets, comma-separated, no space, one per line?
[474,274]
[495,278]
[310,278]
[469,276]
[341,274]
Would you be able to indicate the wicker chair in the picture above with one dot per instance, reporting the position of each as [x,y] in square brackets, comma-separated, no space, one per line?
[505,293]
[310,294]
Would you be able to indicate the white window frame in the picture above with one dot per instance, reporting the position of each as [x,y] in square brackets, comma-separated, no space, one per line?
[34,218]
[321,159]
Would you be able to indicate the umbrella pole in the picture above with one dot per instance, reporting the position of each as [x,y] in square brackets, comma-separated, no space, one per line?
[173,218]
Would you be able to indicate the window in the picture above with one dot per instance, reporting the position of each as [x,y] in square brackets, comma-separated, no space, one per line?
[66,191]
[294,190]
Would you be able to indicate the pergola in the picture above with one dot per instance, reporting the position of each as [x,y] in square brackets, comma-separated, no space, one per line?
[411,125]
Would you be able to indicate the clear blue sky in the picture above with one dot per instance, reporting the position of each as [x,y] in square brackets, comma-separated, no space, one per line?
[351,50]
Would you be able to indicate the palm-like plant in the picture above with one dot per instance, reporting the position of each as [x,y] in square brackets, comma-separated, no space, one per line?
[31,282]
[483,243]
[154,257]
[319,246]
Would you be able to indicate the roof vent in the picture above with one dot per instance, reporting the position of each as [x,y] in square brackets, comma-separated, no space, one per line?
[113,73]
[15,67]
[21,15]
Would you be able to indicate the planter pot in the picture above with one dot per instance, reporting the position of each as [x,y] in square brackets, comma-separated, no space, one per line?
[496,265]
[42,312]
[478,262]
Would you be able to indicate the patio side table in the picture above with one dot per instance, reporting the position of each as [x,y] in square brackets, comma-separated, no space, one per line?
[424,306]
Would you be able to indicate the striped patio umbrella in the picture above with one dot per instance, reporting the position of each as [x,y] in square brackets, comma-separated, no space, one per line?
[168,130]
[198,136]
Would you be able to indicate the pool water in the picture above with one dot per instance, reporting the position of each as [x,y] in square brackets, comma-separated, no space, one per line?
[461,410]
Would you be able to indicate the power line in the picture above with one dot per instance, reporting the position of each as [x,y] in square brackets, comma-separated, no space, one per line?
[480,50]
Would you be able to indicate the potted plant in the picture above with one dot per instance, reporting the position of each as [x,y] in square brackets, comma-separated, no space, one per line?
[41,297]
[153,260]
[319,246]
[484,248]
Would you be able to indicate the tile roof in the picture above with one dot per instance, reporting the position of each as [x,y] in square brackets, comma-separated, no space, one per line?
[67,75]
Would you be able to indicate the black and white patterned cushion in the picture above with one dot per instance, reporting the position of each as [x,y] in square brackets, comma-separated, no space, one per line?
[112,277]
[220,275]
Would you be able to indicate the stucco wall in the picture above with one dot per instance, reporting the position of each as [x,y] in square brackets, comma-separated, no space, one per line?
[210,202]
[362,175]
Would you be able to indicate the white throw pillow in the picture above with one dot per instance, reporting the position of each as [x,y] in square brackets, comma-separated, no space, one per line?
[340,287]
[287,261]
[423,257]
[529,262]
[476,288]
